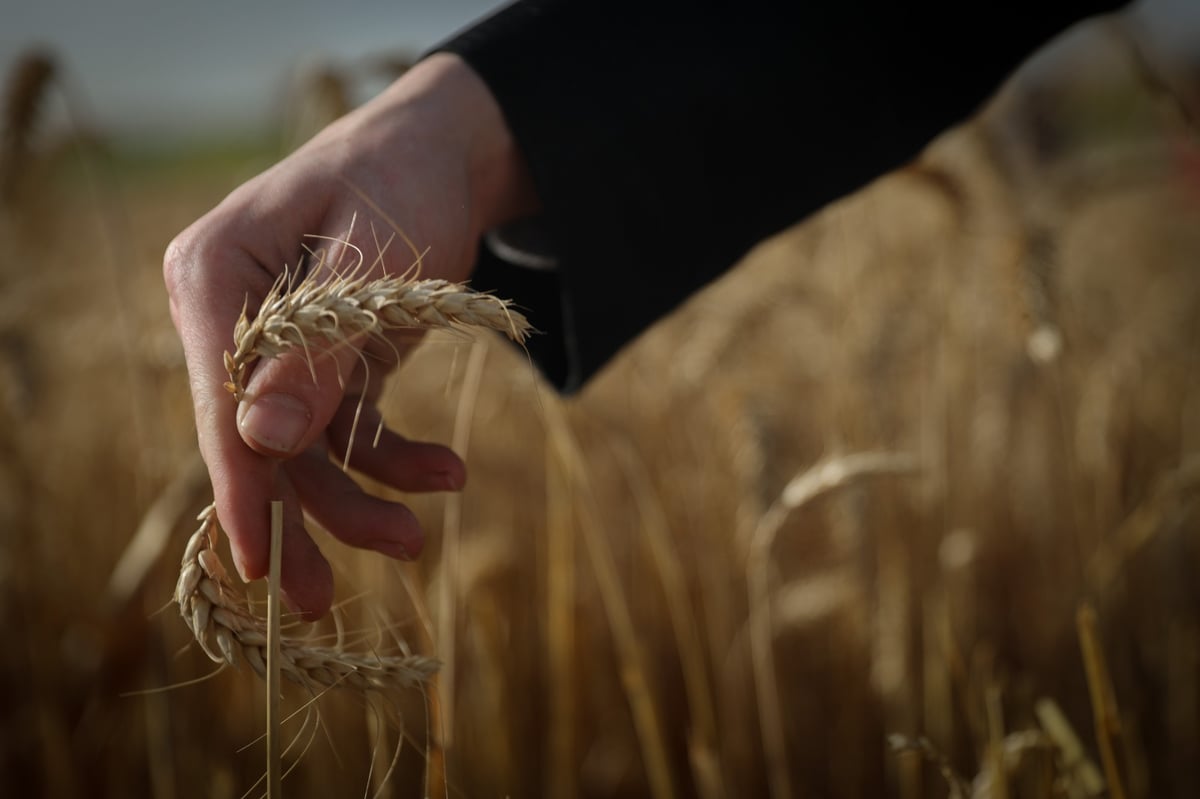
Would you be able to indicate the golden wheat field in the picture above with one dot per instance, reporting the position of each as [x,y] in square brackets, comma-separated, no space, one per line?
[906,505]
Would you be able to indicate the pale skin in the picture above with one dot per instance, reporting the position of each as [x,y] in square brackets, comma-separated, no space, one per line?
[434,153]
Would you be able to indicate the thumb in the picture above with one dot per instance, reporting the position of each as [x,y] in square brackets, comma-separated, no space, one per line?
[290,400]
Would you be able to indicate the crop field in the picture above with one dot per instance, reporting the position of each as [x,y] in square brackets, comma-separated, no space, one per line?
[907,504]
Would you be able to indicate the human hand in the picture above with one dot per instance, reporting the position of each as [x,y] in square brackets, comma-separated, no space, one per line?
[434,153]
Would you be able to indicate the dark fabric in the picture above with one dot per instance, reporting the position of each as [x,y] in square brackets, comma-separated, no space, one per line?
[666,140]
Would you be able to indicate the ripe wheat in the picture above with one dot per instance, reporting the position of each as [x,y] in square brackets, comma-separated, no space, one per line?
[295,315]
[224,624]
[303,314]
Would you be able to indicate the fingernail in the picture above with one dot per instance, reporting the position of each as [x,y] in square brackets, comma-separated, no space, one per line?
[239,567]
[391,548]
[448,481]
[275,421]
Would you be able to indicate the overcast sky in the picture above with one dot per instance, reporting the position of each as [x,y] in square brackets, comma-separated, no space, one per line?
[183,64]
[164,66]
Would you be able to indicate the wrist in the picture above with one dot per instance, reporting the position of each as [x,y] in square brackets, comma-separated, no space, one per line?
[456,115]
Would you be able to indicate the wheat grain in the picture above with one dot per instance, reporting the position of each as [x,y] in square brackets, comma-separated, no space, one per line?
[224,624]
[298,314]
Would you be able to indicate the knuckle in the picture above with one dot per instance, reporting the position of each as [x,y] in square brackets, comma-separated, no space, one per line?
[178,260]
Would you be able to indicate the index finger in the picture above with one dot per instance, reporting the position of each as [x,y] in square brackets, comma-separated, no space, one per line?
[223,263]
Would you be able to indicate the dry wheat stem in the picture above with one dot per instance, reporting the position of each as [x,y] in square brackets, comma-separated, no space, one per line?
[823,477]
[223,622]
[274,647]
[297,314]
[1107,718]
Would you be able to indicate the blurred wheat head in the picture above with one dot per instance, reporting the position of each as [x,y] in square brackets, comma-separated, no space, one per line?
[25,91]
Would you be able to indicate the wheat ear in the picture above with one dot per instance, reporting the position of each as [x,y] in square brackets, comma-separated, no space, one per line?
[224,624]
[295,314]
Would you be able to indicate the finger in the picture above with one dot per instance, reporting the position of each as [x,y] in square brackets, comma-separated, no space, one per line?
[212,270]
[394,460]
[306,579]
[243,487]
[290,399]
[205,304]
[335,501]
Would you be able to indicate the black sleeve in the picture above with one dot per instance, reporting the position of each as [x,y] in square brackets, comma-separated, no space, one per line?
[666,140]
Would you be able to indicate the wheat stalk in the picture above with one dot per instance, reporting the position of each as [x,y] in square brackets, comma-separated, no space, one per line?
[224,624]
[347,307]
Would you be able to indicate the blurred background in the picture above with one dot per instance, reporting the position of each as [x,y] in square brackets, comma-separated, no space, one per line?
[906,505]
[151,71]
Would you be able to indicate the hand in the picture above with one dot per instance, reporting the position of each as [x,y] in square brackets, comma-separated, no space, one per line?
[434,153]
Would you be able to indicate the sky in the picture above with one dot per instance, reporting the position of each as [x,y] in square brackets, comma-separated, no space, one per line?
[184,67]
[179,66]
